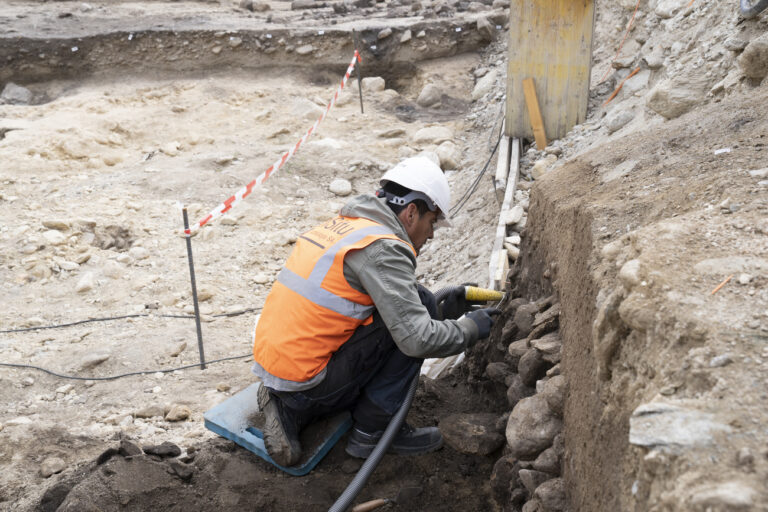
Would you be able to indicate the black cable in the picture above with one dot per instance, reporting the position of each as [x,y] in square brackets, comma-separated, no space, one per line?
[104,319]
[114,377]
[473,186]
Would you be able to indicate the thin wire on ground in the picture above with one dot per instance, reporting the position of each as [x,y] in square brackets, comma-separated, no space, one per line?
[114,377]
[122,317]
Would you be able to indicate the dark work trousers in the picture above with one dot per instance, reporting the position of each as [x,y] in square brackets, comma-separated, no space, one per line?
[368,376]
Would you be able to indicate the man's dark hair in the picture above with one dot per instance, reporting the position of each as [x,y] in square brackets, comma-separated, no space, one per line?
[401,191]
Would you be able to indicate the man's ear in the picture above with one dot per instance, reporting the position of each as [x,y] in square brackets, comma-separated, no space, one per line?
[409,215]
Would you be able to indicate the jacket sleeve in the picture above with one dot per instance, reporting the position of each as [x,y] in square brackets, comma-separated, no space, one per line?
[386,271]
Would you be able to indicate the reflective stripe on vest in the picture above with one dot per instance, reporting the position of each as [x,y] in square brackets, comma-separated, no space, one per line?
[311,309]
[312,289]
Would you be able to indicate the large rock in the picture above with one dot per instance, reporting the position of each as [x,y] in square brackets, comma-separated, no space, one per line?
[429,95]
[532,367]
[676,96]
[553,391]
[485,85]
[754,60]
[531,427]
[373,84]
[551,494]
[517,390]
[15,94]
[433,135]
[178,413]
[548,461]
[524,317]
[474,434]
[504,478]
[486,29]
[673,428]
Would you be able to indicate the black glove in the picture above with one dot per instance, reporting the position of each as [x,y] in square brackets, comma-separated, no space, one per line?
[484,320]
[455,304]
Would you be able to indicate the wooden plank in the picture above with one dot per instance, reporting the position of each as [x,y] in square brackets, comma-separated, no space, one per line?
[502,169]
[551,42]
[499,263]
[534,114]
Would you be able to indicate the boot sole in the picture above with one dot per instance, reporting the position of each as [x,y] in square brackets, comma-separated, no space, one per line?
[364,451]
[278,445]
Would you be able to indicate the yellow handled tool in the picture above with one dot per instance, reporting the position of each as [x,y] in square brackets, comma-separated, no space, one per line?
[476,294]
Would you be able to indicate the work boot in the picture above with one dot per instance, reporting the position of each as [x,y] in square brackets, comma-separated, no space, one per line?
[408,441]
[281,435]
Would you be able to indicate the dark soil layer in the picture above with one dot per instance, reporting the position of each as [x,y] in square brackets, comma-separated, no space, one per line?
[223,476]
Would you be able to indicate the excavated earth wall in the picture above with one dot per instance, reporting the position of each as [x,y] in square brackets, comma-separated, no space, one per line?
[666,377]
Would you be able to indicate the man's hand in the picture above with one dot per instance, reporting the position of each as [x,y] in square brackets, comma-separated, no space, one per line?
[483,318]
[455,303]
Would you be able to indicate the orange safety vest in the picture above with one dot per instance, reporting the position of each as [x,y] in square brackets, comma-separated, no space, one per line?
[312,310]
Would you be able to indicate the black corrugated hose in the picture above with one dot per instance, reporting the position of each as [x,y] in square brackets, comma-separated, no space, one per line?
[366,470]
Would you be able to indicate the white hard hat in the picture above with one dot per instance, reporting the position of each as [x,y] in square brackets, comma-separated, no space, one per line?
[421,174]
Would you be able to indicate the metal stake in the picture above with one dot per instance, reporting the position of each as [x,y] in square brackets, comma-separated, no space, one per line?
[358,71]
[188,236]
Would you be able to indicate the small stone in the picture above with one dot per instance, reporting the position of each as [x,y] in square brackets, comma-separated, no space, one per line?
[93,360]
[421,34]
[392,133]
[449,155]
[234,42]
[112,269]
[474,434]
[517,390]
[56,224]
[407,35]
[744,278]
[629,275]
[139,253]
[340,187]
[745,458]
[551,494]
[531,479]
[498,372]
[754,59]
[720,361]
[129,449]
[617,119]
[433,135]
[171,148]
[178,349]
[51,466]
[373,84]
[54,237]
[484,85]
[759,173]
[178,413]
[514,240]
[512,252]
[429,95]
[166,449]
[228,220]
[733,495]
[183,471]
[553,391]
[66,388]
[305,49]
[152,411]
[514,215]
[548,462]
[261,278]
[532,367]
[223,387]
[27,381]
[384,33]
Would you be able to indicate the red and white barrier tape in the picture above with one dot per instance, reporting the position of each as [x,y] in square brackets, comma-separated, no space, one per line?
[246,190]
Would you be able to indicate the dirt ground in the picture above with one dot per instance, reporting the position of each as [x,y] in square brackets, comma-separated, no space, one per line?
[141,107]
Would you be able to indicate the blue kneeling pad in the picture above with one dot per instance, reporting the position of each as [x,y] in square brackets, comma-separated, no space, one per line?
[238,417]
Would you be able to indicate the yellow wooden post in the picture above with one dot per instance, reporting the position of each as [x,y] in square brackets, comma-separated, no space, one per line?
[551,42]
